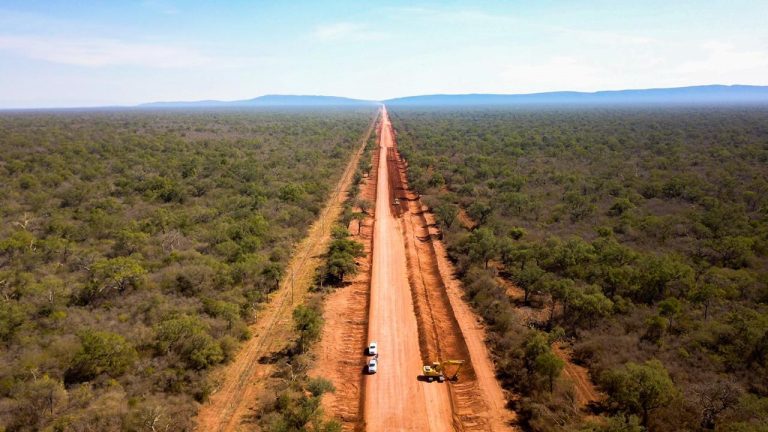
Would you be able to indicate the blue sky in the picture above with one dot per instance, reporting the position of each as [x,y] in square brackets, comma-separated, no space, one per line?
[90,53]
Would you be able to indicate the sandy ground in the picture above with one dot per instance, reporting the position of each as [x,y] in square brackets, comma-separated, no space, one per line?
[245,379]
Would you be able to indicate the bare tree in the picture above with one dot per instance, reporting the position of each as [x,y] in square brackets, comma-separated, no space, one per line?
[714,397]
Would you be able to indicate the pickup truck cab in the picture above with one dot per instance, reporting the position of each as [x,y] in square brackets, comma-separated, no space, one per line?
[373,365]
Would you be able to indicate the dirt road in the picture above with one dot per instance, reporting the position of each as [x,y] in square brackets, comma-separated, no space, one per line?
[394,398]
[244,378]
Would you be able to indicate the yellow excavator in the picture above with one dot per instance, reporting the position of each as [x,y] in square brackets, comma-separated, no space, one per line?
[438,370]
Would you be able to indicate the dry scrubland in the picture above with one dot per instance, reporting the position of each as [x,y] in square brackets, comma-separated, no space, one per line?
[639,237]
[136,246]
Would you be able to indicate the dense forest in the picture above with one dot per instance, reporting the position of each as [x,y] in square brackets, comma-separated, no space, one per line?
[639,237]
[136,245]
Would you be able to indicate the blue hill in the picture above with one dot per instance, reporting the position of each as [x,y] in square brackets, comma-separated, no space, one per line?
[267,101]
[697,95]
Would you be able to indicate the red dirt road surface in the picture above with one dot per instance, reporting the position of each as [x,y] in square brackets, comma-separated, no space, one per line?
[394,398]
[417,316]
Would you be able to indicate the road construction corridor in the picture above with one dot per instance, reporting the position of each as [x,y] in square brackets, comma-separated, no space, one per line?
[394,398]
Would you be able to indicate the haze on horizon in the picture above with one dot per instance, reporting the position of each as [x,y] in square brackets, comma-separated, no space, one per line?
[94,53]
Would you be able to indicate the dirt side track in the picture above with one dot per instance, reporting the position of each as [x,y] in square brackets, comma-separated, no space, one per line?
[345,312]
[243,379]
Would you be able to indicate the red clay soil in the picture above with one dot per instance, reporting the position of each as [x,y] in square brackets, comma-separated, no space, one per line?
[340,351]
[417,316]
[448,328]
[586,393]
[465,220]
[243,381]
[394,398]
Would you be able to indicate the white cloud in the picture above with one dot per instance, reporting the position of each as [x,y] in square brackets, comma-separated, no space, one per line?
[560,72]
[345,31]
[98,52]
[724,62]
[672,66]
[601,37]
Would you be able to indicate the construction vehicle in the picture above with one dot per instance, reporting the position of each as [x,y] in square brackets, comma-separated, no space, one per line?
[437,370]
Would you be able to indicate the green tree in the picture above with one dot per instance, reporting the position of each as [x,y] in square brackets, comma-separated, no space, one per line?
[39,399]
[536,344]
[129,241]
[359,217]
[101,353]
[639,388]
[308,321]
[445,214]
[670,308]
[549,365]
[271,274]
[115,274]
[339,265]
[188,337]
[482,246]
[340,260]
[319,386]
[620,206]
[561,291]
[655,328]
[480,212]
[590,305]
[529,278]
[12,318]
[710,288]
[364,205]
[657,274]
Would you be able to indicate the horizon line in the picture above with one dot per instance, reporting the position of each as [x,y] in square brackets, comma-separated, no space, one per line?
[157,104]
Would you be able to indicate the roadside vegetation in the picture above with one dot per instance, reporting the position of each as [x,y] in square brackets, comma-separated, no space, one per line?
[293,402]
[135,246]
[640,237]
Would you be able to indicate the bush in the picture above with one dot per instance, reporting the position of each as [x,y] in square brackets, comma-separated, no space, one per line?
[187,336]
[101,353]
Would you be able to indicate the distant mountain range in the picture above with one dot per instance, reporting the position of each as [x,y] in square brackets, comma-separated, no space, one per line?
[696,95]
[267,101]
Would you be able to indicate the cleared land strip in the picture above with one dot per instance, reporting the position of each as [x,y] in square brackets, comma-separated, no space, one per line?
[394,399]
[273,329]
[447,327]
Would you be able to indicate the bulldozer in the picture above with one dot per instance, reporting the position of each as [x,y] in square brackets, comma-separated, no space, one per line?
[438,371]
